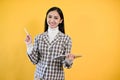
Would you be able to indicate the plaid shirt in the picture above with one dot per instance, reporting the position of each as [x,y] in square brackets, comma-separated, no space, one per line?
[43,52]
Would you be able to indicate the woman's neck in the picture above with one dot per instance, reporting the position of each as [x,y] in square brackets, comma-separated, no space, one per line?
[52,32]
[53,29]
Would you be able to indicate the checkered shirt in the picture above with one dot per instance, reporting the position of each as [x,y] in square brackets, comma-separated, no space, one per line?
[43,53]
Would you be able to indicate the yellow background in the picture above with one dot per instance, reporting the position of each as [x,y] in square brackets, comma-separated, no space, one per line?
[94,27]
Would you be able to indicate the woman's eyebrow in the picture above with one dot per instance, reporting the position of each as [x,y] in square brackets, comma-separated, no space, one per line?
[56,16]
[53,15]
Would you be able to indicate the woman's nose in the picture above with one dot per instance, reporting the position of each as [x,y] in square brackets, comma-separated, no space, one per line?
[52,20]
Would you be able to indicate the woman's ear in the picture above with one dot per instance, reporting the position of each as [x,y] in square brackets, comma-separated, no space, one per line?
[61,20]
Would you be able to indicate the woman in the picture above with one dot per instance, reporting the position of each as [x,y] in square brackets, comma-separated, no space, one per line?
[48,45]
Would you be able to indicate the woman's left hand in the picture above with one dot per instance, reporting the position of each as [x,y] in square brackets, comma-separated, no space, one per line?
[70,56]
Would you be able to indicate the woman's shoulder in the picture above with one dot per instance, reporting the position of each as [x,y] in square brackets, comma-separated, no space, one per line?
[66,36]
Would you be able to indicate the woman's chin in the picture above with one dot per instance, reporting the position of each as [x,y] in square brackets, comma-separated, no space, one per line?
[52,26]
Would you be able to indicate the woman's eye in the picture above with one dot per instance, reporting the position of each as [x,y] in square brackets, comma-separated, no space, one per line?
[55,17]
[49,16]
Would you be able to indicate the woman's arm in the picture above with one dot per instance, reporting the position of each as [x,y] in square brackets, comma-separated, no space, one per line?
[32,50]
[67,63]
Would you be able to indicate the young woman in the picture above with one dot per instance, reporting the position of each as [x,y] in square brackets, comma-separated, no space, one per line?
[48,45]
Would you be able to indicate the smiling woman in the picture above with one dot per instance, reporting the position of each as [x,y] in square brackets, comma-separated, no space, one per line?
[53,42]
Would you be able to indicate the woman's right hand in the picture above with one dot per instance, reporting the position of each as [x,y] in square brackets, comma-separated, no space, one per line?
[28,39]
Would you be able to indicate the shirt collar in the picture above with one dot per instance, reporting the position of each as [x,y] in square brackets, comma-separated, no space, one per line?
[50,30]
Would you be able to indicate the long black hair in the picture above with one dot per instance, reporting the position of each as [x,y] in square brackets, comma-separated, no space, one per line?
[61,25]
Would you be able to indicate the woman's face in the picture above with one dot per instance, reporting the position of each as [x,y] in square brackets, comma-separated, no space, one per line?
[53,19]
